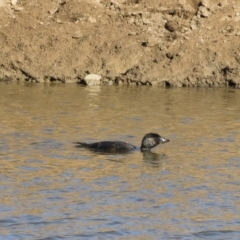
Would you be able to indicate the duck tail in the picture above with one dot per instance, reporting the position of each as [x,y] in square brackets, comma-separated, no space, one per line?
[81,144]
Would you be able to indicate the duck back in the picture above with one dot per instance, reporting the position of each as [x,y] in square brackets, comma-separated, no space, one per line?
[108,146]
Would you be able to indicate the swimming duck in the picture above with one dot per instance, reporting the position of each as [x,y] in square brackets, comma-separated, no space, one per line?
[149,141]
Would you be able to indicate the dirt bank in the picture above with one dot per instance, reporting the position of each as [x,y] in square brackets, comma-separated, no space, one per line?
[175,43]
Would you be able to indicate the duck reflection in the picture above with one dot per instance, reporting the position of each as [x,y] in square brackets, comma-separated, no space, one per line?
[153,159]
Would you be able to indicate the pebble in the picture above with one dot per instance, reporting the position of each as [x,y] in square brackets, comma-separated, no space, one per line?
[172,26]
[92,19]
[17,8]
[77,34]
[13,2]
[132,33]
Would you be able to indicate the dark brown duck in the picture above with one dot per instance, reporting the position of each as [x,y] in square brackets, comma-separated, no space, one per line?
[149,141]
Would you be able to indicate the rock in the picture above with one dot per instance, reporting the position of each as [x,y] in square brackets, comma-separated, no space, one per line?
[170,55]
[131,20]
[223,3]
[59,21]
[62,2]
[92,19]
[115,5]
[144,43]
[172,26]
[77,34]
[132,33]
[15,8]
[53,11]
[193,24]
[146,21]
[56,8]
[205,8]
[203,12]
[153,41]
[13,2]
[92,79]
[206,3]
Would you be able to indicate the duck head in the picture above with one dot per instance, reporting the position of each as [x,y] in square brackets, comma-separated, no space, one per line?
[151,140]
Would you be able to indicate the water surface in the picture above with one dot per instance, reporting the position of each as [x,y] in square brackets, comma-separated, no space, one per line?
[186,189]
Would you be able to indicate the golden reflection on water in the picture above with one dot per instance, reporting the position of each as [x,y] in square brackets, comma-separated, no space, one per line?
[185,187]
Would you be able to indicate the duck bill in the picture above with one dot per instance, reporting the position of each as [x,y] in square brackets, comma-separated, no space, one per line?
[164,140]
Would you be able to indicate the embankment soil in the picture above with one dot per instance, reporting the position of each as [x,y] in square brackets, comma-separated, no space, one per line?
[145,42]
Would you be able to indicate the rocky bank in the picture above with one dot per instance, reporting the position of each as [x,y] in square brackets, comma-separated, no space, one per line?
[145,42]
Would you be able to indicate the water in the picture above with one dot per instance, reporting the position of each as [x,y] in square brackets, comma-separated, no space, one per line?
[186,189]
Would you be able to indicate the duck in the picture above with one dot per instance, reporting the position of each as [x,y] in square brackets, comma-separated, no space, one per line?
[150,140]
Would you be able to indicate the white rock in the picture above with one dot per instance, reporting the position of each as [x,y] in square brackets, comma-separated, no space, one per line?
[17,8]
[92,79]
[14,2]
[92,19]
[203,12]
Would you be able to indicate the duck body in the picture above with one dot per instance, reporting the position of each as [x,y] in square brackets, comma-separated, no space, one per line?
[149,141]
[108,146]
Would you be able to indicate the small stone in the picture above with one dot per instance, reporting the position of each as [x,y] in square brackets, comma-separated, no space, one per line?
[170,55]
[13,2]
[132,33]
[172,26]
[152,41]
[92,19]
[144,43]
[53,11]
[203,12]
[59,21]
[15,8]
[62,2]
[146,21]
[115,5]
[131,20]
[77,34]
[92,79]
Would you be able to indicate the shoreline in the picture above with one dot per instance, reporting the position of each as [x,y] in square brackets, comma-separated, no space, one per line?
[57,83]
